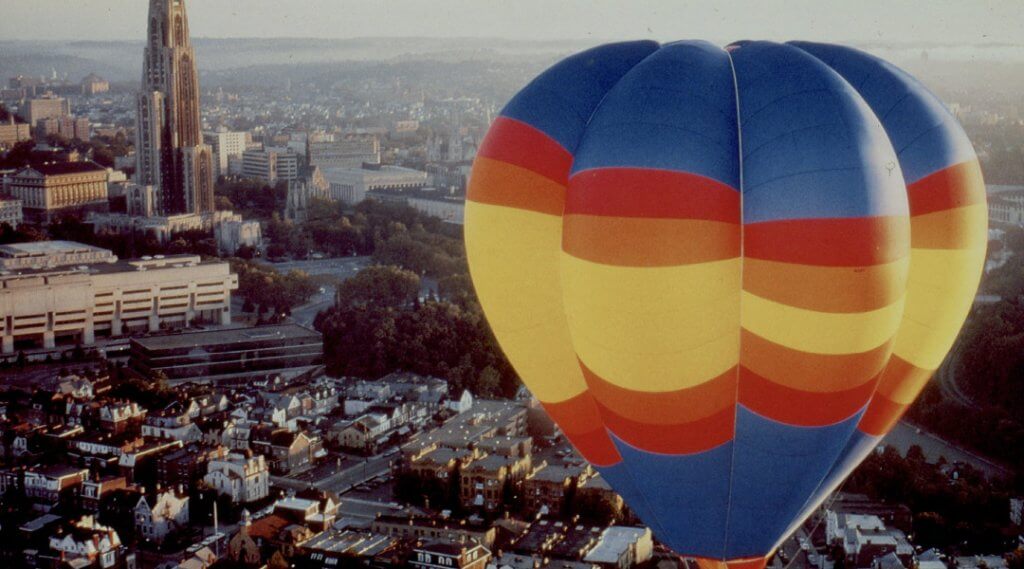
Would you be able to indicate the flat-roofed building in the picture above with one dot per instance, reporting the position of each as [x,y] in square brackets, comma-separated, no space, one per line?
[46,190]
[48,106]
[13,132]
[10,211]
[75,304]
[93,84]
[350,185]
[347,153]
[225,144]
[50,254]
[271,165]
[223,354]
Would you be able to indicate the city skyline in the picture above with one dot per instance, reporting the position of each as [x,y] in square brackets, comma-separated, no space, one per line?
[945,22]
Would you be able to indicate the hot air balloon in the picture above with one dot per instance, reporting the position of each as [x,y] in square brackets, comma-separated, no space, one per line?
[725,272]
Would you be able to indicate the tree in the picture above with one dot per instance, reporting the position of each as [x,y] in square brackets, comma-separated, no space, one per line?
[380,285]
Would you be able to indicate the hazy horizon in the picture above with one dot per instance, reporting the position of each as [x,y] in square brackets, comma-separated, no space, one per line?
[942,22]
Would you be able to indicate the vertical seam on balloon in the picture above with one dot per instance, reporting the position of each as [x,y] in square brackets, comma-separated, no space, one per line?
[625,465]
[739,351]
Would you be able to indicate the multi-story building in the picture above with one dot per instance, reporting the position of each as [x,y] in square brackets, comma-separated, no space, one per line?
[1007,208]
[187,465]
[445,555]
[225,144]
[170,153]
[67,126]
[49,106]
[48,486]
[271,165]
[547,488]
[622,547]
[12,132]
[482,484]
[118,417]
[51,254]
[86,544]
[47,190]
[76,304]
[159,515]
[350,185]
[93,84]
[287,452]
[596,489]
[432,527]
[221,354]
[346,153]
[10,211]
[243,477]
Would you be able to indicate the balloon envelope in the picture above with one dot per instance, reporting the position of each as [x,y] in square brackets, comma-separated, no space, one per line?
[725,273]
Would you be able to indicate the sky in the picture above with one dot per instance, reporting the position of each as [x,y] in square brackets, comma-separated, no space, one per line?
[857,21]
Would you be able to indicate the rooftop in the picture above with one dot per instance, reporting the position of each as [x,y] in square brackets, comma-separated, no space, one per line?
[226,337]
[41,248]
[62,168]
[614,541]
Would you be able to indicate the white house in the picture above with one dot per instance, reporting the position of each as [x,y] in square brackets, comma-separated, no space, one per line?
[167,513]
[243,477]
[88,543]
[463,403]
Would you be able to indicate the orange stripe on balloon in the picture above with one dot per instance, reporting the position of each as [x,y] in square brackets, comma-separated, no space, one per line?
[664,407]
[956,228]
[644,242]
[499,183]
[518,143]
[649,193]
[881,415]
[744,563]
[797,407]
[957,186]
[834,242]
[807,372]
[580,420]
[683,438]
[825,289]
[899,376]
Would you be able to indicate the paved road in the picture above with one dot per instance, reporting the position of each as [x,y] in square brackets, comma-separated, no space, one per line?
[946,378]
[904,435]
[336,270]
[306,313]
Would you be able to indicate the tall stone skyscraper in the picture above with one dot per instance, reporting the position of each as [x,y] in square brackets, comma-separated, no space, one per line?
[170,154]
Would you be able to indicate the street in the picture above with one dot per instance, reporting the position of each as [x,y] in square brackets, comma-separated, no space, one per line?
[904,435]
[327,273]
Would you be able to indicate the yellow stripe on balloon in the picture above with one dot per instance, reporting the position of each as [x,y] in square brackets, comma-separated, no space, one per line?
[654,328]
[940,292]
[514,261]
[820,332]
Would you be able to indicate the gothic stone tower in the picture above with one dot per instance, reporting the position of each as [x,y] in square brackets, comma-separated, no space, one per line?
[170,153]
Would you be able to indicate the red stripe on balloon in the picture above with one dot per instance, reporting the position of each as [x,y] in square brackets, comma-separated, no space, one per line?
[801,408]
[683,438]
[580,420]
[520,144]
[881,415]
[644,192]
[834,242]
[956,186]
